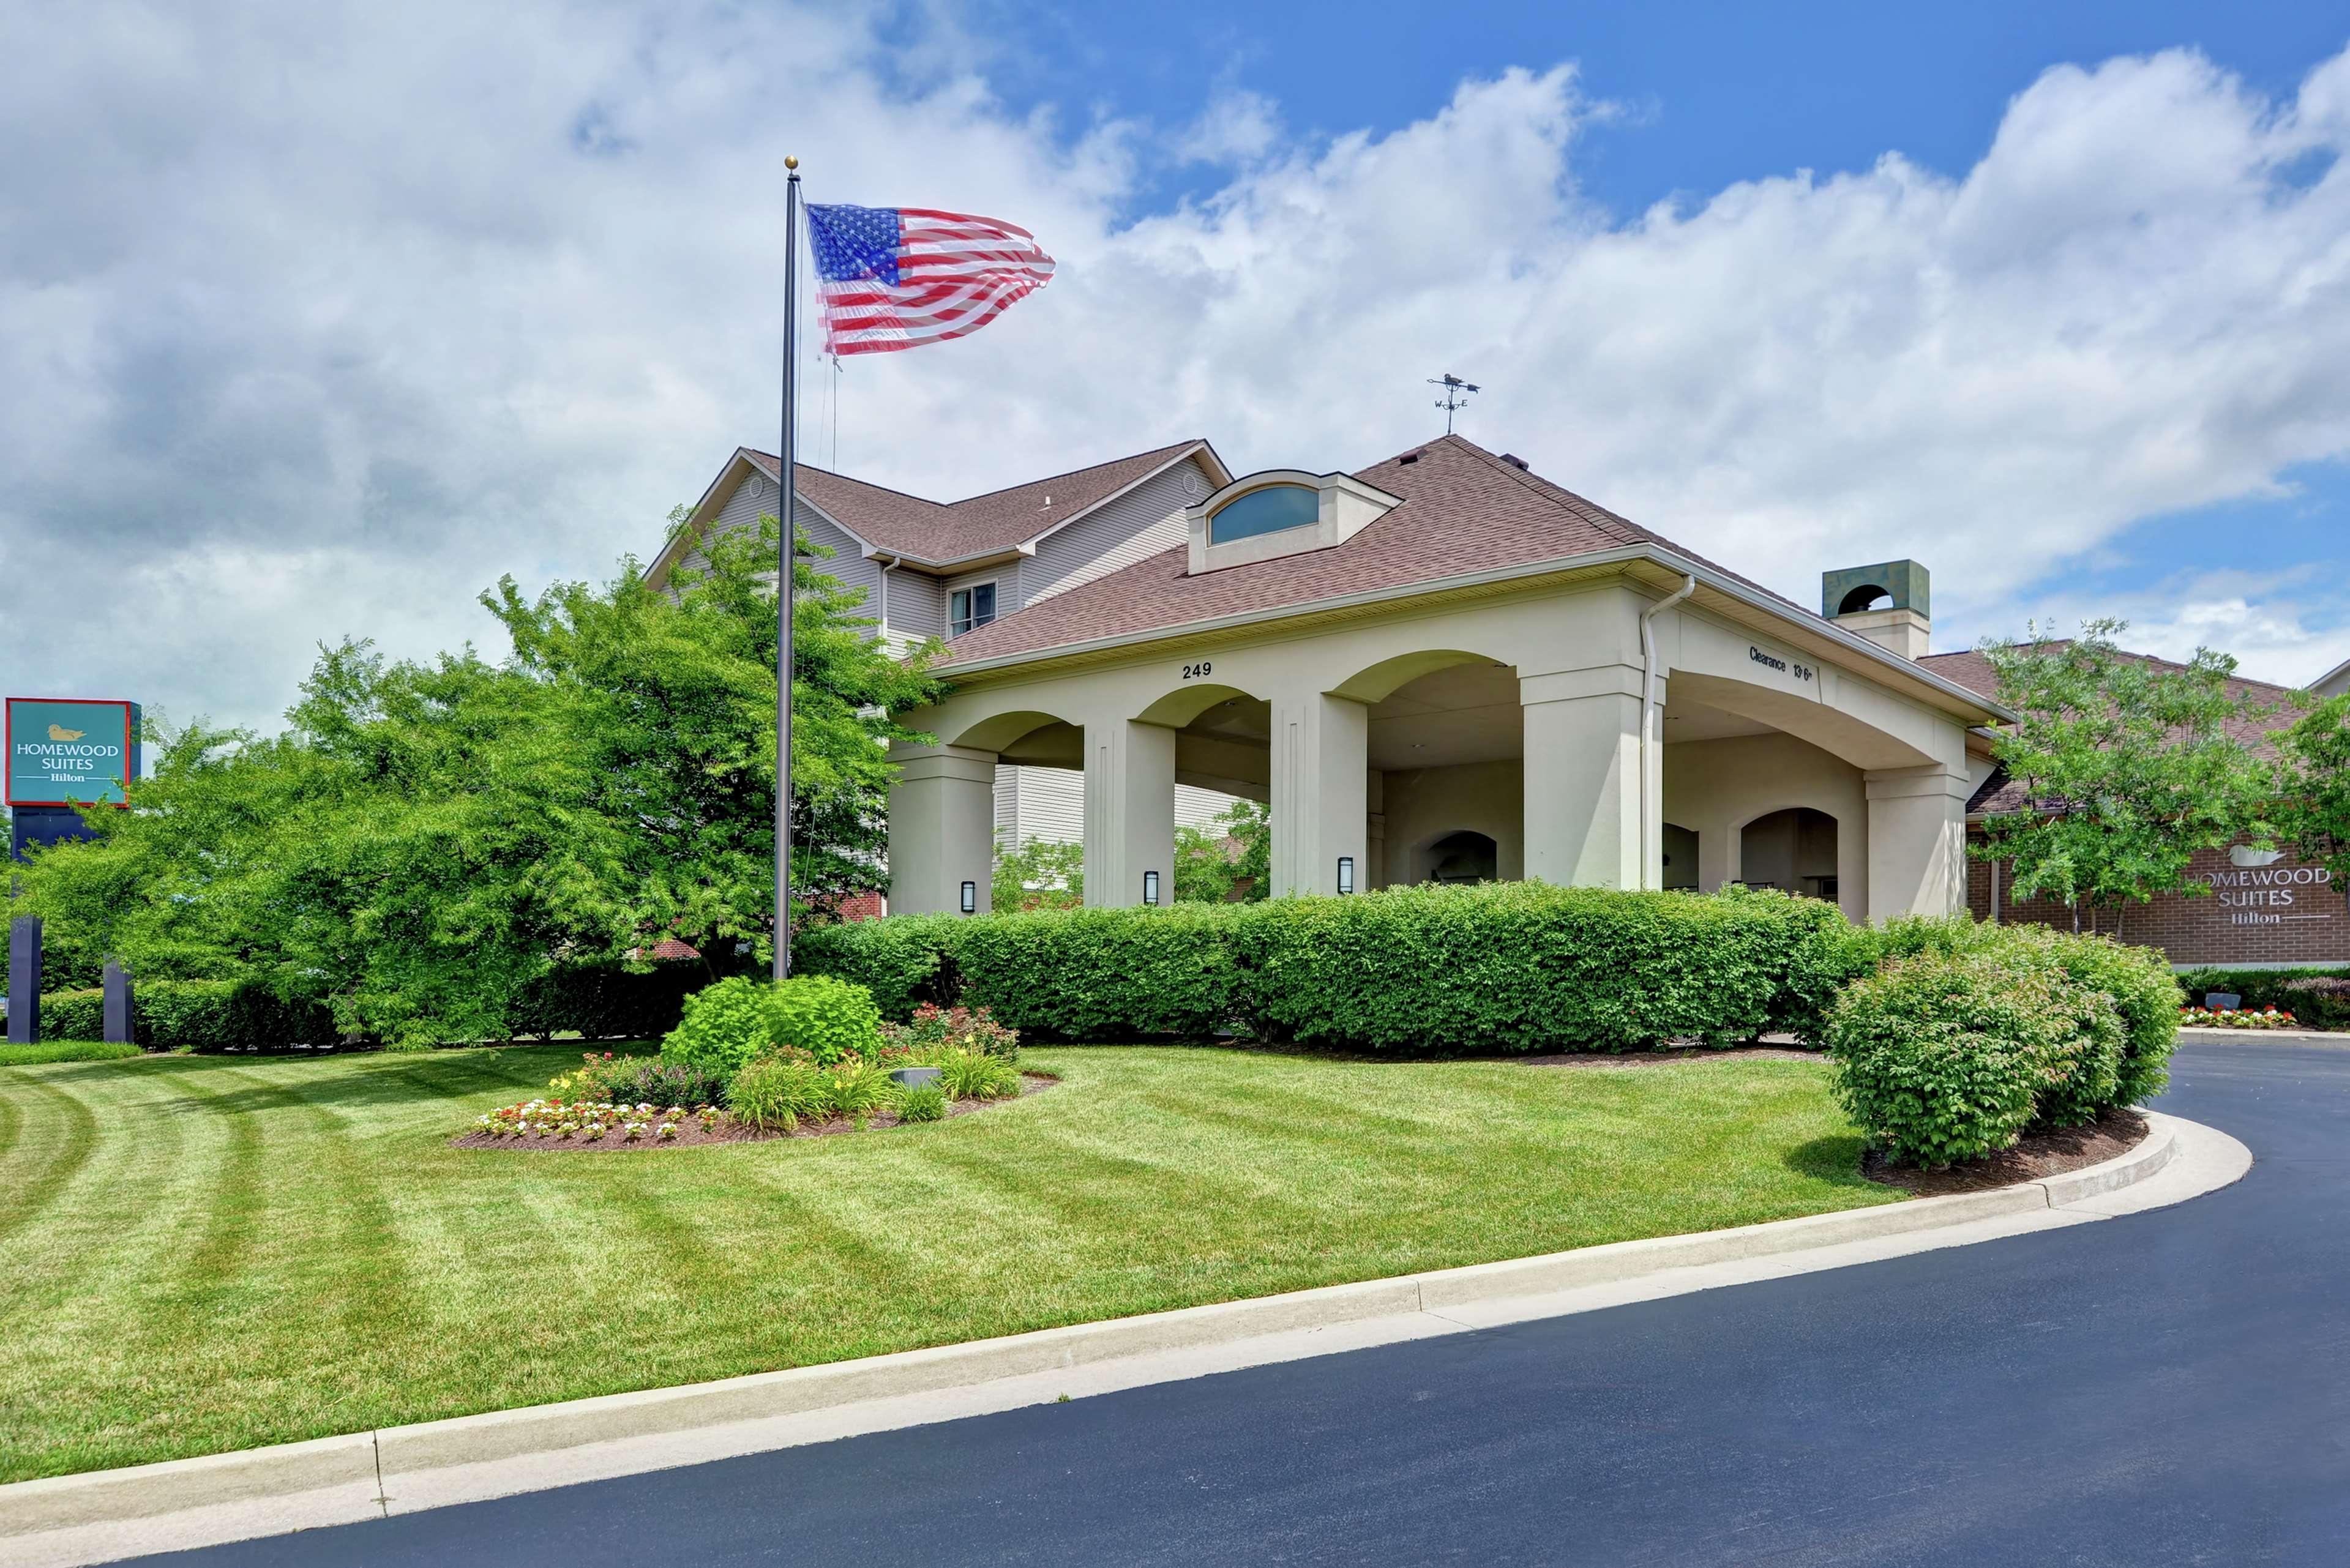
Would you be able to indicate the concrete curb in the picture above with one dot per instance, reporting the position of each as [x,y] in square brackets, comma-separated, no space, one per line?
[103,1514]
[2254,1036]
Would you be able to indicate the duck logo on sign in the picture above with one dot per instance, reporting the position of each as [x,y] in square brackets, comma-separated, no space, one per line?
[70,750]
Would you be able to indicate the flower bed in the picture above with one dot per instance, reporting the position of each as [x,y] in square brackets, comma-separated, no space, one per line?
[583,1125]
[798,1058]
[2236,1018]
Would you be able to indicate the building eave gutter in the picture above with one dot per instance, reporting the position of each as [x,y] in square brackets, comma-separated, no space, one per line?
[1860,648]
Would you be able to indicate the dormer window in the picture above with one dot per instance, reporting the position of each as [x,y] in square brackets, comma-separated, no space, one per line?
[1266,511]
[1279,512]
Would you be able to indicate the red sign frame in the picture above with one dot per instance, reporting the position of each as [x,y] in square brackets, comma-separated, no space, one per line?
[130,743]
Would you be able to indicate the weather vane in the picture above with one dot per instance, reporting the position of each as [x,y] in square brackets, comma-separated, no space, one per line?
[1456,396]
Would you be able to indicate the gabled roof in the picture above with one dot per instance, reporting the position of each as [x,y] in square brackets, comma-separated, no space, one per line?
[1464,509]
[941,532]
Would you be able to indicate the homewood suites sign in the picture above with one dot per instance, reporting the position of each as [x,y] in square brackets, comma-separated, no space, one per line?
[70,753]
[2256,891]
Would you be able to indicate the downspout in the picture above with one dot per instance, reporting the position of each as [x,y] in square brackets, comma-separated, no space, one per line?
[892,567]
[1649,709]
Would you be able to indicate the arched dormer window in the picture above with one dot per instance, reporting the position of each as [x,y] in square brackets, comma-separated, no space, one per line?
[1266,511]
[1279,512]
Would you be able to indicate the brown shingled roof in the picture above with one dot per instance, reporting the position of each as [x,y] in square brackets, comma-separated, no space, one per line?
[1464,510]
[936,531]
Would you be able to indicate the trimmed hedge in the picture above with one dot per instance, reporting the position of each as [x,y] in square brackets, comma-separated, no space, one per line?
[598,1001]
[609,1001]
[1519,966]
[193,1015]
[1933,1050]
[2286,989]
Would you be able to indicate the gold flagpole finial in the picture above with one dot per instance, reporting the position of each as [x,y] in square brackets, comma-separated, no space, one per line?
[790,162]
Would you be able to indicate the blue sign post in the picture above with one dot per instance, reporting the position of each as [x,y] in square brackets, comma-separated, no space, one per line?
[63,754]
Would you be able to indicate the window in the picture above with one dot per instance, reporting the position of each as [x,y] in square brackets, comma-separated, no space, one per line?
[1266,511]
[971,607]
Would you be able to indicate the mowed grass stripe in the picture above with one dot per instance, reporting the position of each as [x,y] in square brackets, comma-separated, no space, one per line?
[48,1151]
[107,1245]
[308,1254]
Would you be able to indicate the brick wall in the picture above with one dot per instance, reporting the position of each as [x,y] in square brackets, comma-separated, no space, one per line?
[2286,912]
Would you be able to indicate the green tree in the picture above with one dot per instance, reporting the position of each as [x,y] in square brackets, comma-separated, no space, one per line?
[1042,874]
[420,846]
[2313,788]
[1208,863]
[426,840]
[673,702]
[2128,767]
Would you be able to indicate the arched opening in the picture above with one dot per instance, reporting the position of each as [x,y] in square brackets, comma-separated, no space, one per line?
[1680,857]
[1867,596]
[1377,682]
[1463,856]
[1795,849]
[1446,744]
[1223,747]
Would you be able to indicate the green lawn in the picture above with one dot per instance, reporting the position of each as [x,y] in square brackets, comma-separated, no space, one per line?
[205,1253]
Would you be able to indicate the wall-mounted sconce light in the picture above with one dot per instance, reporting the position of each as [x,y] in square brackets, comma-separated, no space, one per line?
[971,897]
[1150,886]
[1346,873]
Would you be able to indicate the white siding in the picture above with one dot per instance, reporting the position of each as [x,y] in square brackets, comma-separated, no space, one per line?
[1050,803]
[1143,521]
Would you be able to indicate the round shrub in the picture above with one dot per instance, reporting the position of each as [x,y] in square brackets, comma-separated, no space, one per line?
[724,1027]
[2138,984]
[829,1019]
[775,1092]
[1943,1057]
[2124,999]
[727,1024]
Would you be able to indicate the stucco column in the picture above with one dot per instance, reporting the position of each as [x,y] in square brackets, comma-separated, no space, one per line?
[1583,777]
[1916,842]
[941,828]
[1321,781]
[1130,811]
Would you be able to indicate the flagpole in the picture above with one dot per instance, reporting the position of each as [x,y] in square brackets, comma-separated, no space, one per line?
[787,508]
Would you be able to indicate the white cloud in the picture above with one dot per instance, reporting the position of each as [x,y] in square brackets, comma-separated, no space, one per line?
[2278,629]
[317,323]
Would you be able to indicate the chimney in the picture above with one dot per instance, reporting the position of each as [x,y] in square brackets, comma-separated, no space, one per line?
[1889,604]
[1515,460]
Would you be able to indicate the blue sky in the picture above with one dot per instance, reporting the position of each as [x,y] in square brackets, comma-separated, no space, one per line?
[322,322]
[1712,93]
[1703,97]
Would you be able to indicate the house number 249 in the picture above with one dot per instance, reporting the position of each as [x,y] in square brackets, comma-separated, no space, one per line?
[1196,672]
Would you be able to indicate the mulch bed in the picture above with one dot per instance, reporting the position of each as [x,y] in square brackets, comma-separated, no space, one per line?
[2039,1154]
[728,1130]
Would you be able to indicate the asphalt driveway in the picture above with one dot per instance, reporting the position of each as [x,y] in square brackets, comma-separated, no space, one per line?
[2170,1387]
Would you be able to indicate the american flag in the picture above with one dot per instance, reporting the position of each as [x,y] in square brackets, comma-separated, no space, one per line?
[898,277]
